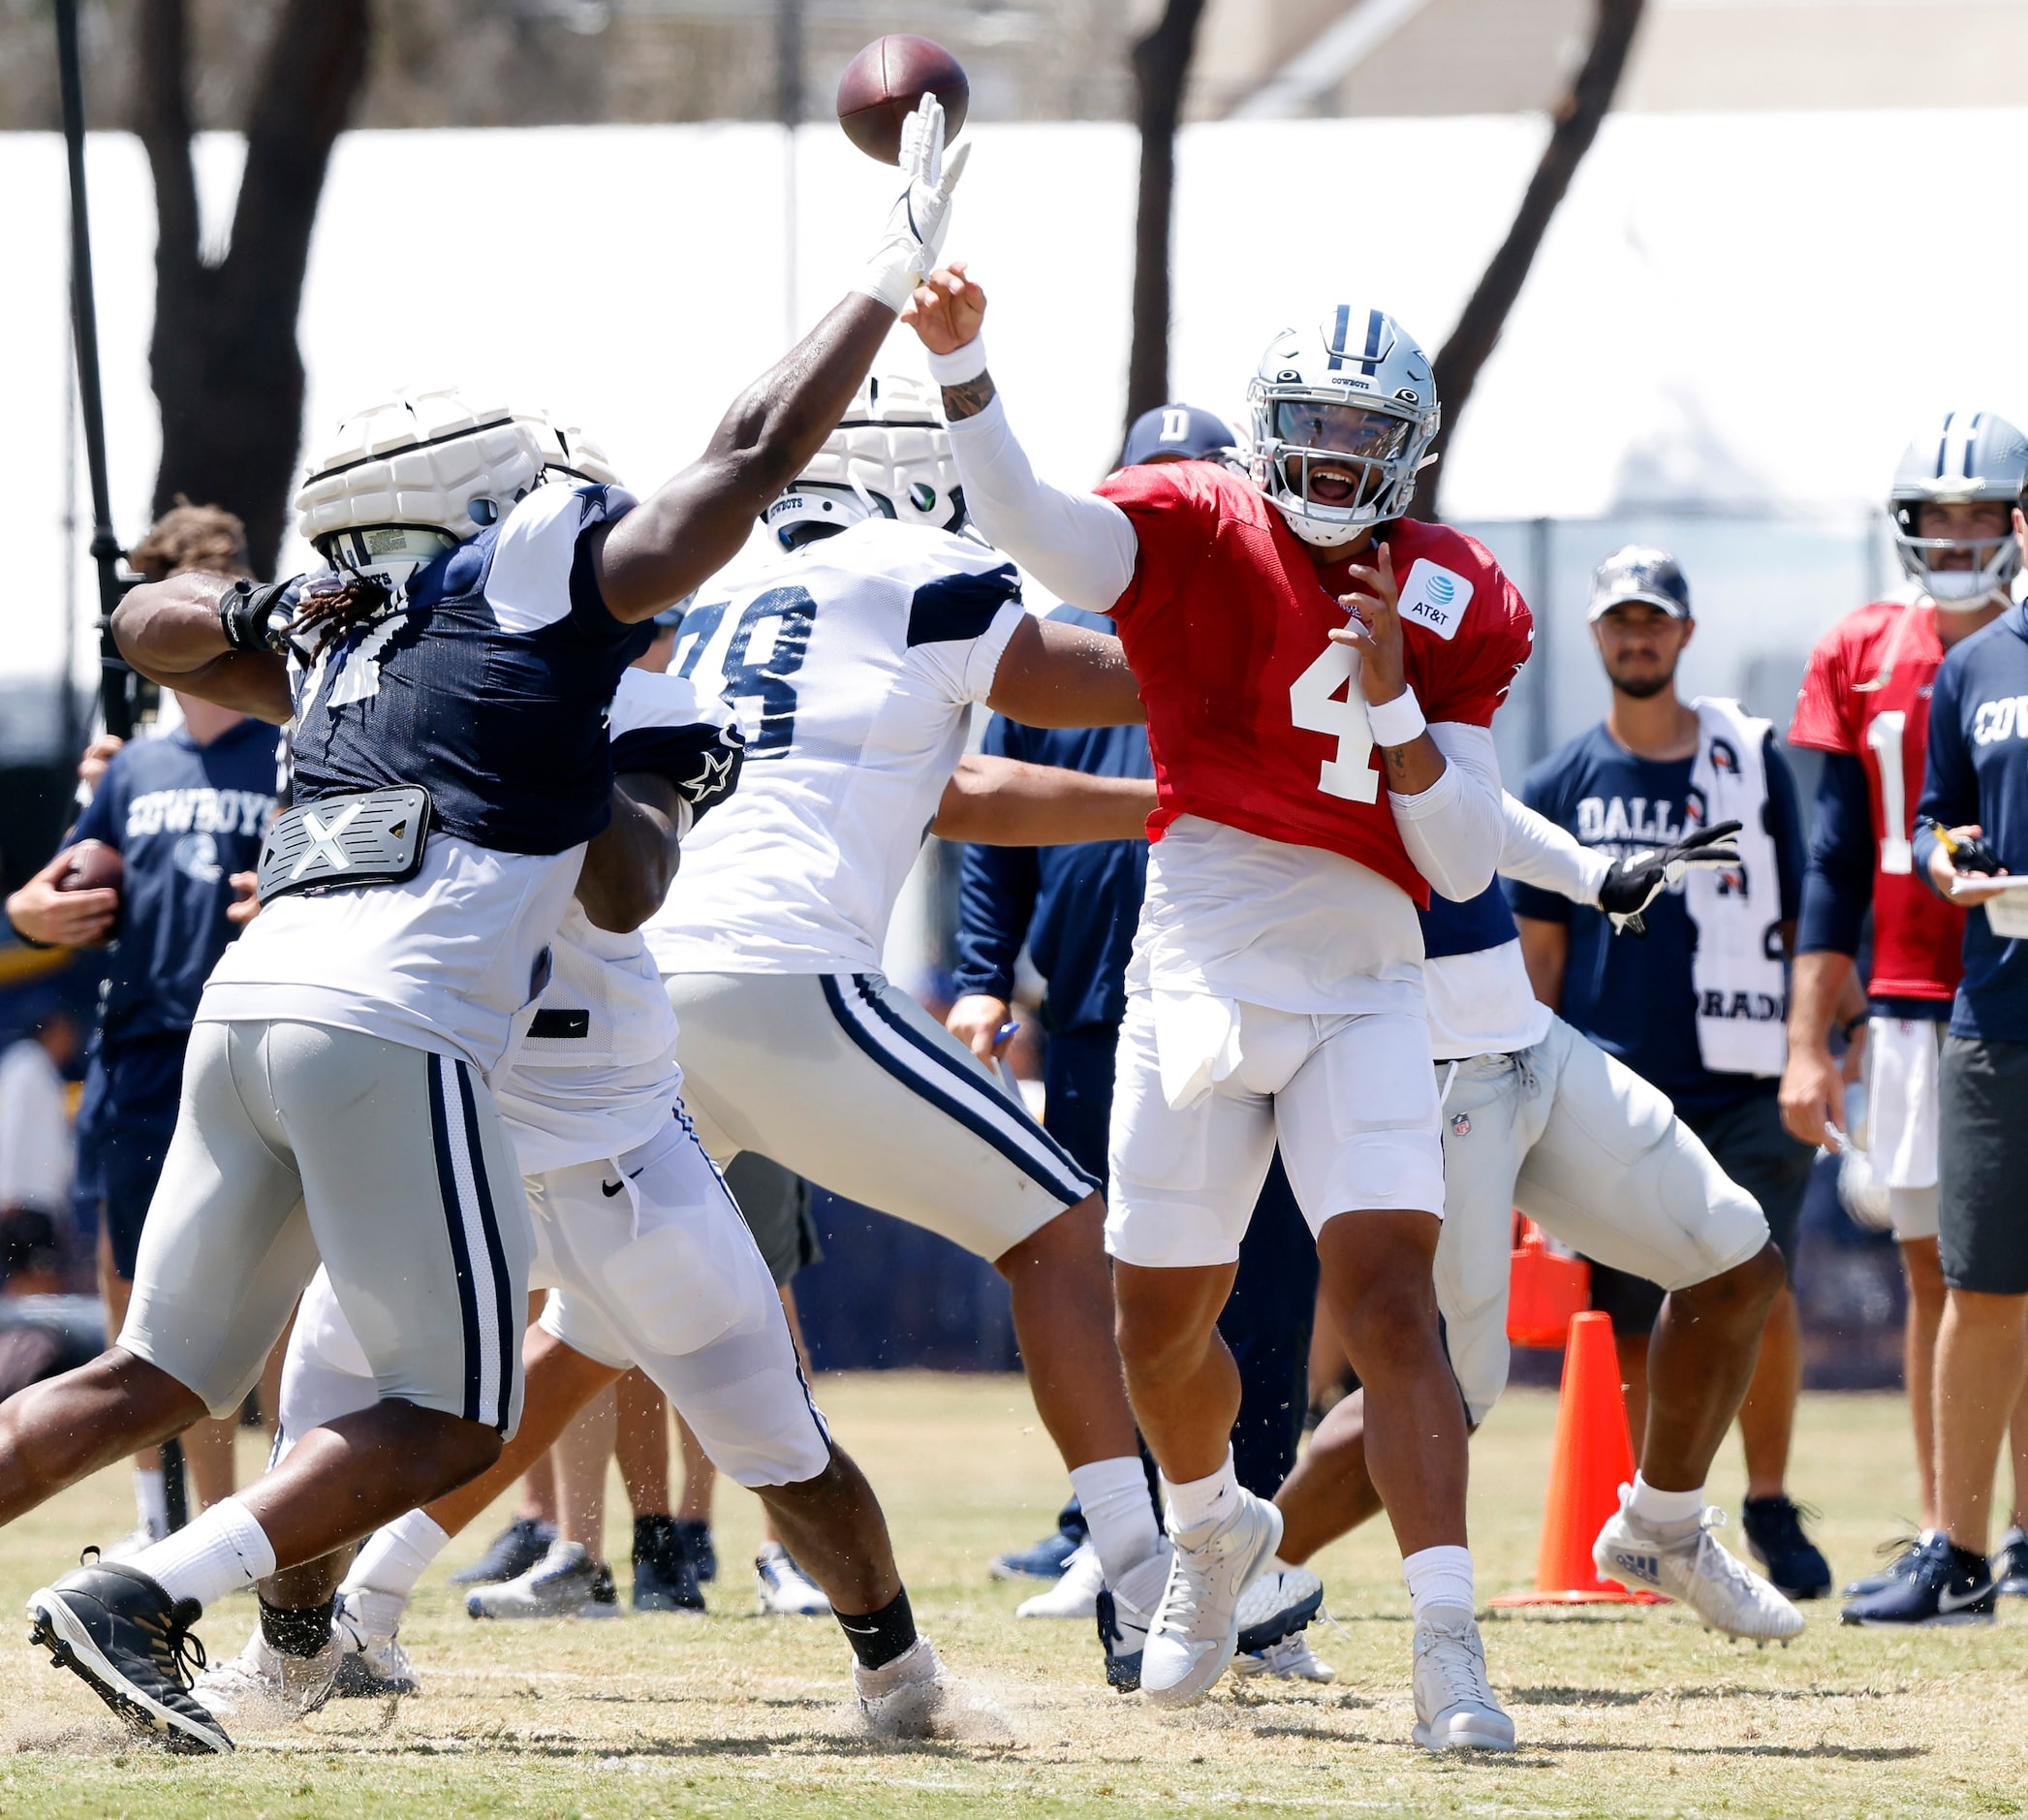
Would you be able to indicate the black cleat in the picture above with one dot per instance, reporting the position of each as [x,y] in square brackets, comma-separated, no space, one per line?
[119,1633]
[2011,1564]
[1905,1555]
[512,1553]
[1775,1535]
[665,1578]
[695,1534]
[1949,1586]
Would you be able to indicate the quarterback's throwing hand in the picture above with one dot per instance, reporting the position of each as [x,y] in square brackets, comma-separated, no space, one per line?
[947,311]
[1374,629]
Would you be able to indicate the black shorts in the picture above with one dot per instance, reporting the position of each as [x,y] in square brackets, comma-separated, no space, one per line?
[775,1204]
[1982,1165]
[131,1099]
[1748,1141]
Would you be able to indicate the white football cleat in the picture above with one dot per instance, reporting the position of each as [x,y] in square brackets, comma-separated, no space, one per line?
[1288,1660]
[781,1589]
[1455,1704]
[1196,1628]
[565,1583]
[909,1697]
[1075,1594]
[1695,1568]
[261,1689]
[371,1664]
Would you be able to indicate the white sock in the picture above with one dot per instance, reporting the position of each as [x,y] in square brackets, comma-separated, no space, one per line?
[151,1500]
[1208,1499]
[1113,1495]
[395,1557]
[1661,1510]
[1440,1576]
[224,1550]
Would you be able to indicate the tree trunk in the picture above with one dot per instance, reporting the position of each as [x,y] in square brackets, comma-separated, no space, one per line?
[227,372]
[1576,121]
[1161,69]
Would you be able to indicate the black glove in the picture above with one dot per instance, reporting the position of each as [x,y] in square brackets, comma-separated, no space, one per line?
[246,616]
[1638,880]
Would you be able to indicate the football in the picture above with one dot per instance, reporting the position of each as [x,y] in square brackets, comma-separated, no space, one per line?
[93,867]
[882,84]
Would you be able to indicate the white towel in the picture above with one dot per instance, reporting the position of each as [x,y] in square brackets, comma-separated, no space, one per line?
[1742,985]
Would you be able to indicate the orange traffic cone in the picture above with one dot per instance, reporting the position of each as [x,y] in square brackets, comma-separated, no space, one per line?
[1593,1458]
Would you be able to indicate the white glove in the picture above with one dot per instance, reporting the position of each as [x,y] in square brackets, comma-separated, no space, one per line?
[914,236]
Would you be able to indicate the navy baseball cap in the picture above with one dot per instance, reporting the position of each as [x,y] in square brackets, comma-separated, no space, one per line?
[1176,432]
[1637,573]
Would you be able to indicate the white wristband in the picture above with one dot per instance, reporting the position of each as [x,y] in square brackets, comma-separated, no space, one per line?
[1397,722]
[961,365]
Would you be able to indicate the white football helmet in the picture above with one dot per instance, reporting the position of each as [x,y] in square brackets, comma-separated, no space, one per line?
[1970,455]
[888,458]
[1342,419]
[404,480]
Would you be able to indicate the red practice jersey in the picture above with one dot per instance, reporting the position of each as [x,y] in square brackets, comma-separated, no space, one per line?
[1867,694]
[1255,718]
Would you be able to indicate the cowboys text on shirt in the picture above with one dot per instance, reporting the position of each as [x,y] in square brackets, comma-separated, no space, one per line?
[201,811]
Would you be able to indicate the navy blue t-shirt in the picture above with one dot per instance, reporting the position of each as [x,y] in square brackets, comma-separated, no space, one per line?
[1978,773]
[185,818]
[1633,997]
[1077,906]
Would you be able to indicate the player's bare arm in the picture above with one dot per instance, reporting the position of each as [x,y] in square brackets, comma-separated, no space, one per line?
[1545,951]
[628,866]
[1812,1092]
[1374,631]
[977,1021]
[693,525]
[173,632]
[1005,802]
[1058,676]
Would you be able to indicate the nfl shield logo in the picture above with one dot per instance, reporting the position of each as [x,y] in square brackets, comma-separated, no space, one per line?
[1461,1125]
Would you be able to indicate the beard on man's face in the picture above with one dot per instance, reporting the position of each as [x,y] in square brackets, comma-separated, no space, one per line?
[1642,688]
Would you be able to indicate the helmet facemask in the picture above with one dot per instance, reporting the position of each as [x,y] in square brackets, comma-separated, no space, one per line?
[1994,562]
[1972,457]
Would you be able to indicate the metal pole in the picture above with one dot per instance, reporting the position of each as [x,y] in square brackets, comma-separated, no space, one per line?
[114,675]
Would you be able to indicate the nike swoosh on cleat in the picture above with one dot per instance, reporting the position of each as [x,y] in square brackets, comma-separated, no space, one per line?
[1948,1601]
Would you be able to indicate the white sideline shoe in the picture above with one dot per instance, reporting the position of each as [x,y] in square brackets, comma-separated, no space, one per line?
[1075,1594]
[1696,1569]
[565,1583]
[1455,1704]
[1195,1627]
[782,1589]
[259,1689]
[1288,1660]
[908,1697]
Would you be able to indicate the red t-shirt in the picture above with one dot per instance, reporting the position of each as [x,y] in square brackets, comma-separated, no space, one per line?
[1867,694]
[1255,718]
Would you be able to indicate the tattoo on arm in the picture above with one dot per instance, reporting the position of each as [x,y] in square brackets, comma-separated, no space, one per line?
[1396,757]
[968,399]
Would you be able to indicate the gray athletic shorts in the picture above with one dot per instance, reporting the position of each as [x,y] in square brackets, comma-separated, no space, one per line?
[1982,1165]
[1597,1159]
[853,1085]
[660,1274]
[296,1143]
[775,1204]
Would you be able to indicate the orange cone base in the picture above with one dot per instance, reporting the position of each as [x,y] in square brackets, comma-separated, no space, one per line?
[1616,1595]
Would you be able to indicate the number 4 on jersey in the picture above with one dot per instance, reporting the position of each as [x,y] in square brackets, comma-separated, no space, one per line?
[1326,698]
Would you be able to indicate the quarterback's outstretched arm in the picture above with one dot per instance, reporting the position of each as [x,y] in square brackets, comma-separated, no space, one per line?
[172,633]
[1537,852]
[1080,546]
[1452,827]
[693,525]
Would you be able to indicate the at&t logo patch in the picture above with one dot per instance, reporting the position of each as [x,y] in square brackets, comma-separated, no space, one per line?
[1435,597]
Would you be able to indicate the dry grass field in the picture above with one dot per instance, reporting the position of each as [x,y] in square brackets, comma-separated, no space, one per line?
[1620,1712]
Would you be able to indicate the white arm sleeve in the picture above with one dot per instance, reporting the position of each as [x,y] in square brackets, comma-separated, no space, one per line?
[1454,831]
[1077,546]
[1538,852]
